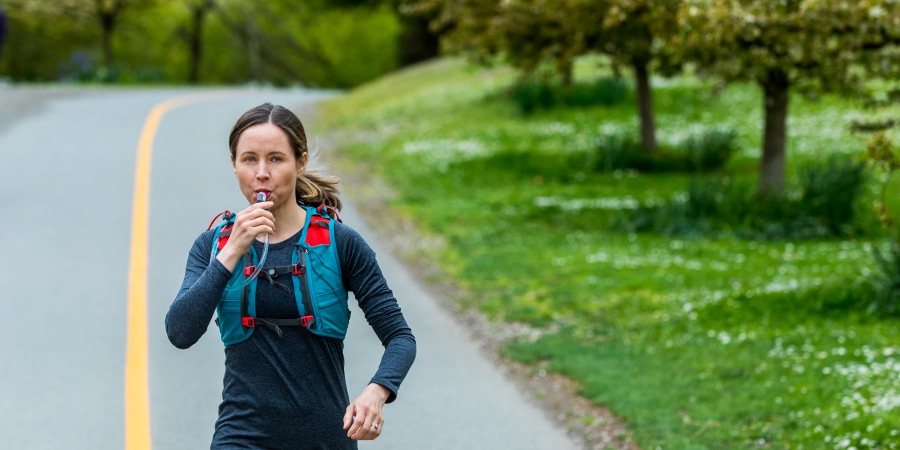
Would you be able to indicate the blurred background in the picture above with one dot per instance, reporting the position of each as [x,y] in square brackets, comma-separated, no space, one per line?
[317,43]
[686,207]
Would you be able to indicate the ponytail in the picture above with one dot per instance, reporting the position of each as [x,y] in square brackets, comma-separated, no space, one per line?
[314,188]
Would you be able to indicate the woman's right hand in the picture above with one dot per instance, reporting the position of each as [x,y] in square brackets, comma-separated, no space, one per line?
[253,222]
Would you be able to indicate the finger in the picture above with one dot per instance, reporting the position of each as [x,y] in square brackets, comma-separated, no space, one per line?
[263,225]
[264,217]
[259,224]
[369,428]
[376,427]
[358,429]
[348,418]
[255,211]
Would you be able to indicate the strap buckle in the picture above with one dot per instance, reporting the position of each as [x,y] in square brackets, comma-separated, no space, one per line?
[248,322]
[249,270]
[298,269]
[306,321]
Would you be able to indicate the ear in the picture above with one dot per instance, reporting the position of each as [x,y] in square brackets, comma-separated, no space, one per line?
[301,164]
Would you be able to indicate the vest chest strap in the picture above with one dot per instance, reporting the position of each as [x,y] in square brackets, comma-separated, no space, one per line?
[293,269]
[276,324]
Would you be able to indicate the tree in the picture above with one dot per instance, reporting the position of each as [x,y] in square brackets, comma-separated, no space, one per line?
[634,33]
[464,26]
[417,41]
[313,43]
[193,34]
[534,31]
[806,45]
[274,51]
[107,14]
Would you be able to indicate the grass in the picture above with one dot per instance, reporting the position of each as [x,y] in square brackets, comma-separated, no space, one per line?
[698,343]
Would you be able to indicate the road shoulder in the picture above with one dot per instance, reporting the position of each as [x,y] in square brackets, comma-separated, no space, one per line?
[20,101]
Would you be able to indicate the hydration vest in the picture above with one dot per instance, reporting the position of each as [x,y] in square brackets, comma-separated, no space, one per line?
[316,273]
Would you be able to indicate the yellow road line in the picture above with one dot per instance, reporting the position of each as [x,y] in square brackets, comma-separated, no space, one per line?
[137,391]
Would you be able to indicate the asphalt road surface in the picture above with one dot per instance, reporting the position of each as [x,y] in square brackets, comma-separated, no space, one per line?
[84,286]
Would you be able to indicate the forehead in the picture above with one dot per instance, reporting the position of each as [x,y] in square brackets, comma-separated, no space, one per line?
[263,137]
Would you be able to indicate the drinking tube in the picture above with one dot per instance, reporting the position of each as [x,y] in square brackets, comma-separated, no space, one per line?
[260,197]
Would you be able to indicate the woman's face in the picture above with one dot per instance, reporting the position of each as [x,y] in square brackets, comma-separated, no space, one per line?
[264,162]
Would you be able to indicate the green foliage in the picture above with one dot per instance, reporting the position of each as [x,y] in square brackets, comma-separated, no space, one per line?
[706,342]
[535,95]
[820,44]
[887,296]
[804,46]
[360,45]
[277,42]
[710,150]
[299,44]
[705,151]
[757,369]
[826,203]
[27,58]
[881,153]
[605,91]
[621,151]
[531,96]
[831,192]
[528,33]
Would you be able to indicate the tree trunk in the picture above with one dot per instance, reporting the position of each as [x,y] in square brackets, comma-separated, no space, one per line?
[253,53]
[198,16]
[107,25]
[417,41]
[776,89]
[645,106]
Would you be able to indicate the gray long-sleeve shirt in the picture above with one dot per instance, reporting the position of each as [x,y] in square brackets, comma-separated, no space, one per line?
[289,391]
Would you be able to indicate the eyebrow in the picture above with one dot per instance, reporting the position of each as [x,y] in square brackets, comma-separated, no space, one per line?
[252,152]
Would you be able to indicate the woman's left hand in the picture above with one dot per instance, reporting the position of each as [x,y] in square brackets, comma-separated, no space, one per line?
[363,419]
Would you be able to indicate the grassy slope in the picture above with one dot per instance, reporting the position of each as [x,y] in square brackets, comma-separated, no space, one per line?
[697,343]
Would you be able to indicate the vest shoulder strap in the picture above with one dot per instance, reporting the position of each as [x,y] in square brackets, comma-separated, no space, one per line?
[223,231]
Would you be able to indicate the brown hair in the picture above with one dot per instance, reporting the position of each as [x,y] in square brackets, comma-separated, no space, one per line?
[313,188]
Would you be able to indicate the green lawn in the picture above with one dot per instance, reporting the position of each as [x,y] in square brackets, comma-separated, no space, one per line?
[698,343]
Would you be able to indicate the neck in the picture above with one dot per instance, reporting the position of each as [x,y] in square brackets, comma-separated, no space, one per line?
[289,220]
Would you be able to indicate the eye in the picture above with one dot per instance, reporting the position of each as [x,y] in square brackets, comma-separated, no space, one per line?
[249,158]
[276,159]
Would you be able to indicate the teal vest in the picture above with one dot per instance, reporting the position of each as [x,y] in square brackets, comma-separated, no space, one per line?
[316,273]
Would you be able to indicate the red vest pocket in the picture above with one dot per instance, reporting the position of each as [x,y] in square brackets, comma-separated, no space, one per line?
[318,234]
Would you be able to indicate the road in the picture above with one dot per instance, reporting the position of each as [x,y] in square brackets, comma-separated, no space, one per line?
[76,354]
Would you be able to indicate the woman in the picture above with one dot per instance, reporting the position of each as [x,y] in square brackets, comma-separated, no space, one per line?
[284,384]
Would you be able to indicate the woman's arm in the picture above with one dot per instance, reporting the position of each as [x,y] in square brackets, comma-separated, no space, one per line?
[193,307]
[362,275]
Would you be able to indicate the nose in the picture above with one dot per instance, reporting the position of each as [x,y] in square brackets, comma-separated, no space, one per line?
[262,171]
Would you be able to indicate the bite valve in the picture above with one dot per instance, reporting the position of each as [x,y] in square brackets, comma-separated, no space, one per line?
[260,197]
